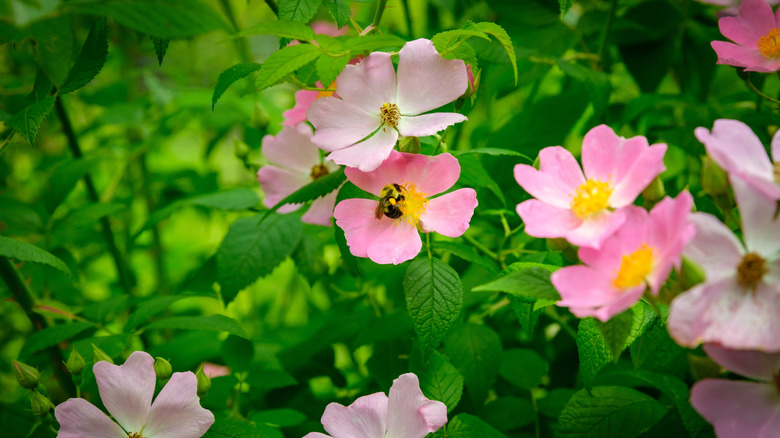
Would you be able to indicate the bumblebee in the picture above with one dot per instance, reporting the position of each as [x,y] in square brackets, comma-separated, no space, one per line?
[388,203]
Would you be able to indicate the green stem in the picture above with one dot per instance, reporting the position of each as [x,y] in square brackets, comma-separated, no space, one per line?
[374,26]
[240,43]
[408,16]
[157,249]
[481,247]
[108,234]
[758,92]
[273,7]
[552,313]
[605,33]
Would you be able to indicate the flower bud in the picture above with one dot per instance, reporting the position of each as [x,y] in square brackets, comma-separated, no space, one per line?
[654,192]
[40,404]
[714,180]
[26,375]
[162,368]
[99,355]
[410,144]
[204,383]
[76,363]
[691,274]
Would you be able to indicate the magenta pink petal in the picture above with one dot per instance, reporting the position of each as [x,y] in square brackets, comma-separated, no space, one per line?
[127,390]
[392,170]
[737,29]
[601,148]
[589,292]
[339,123]
[297,114]
[428,124]
[557,179]
[368,84]
[544,220]
[739,56]
[397,243]
[759,225]
[361,227]
[738,409]
[426,80]
[79,418]
[368,154]
[176,411]
[450,214]
[627,239]
[278,183]
[749,363]
[432,174]
[593,230]
[757,15]
[711,234]
[410,413]
[292,148]
[366,417]
[321,210]
[642,171]
[734,146]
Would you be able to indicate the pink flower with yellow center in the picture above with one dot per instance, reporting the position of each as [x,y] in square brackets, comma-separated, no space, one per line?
[738,305]
[386,230]
[127,393]
[585,209]
[375,105]
[295,162]
[743,408]
[638,256]
[406,413]
[756,32]
[303,100]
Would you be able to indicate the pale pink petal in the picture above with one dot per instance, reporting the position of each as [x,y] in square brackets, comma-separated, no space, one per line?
[366,417]
[714,247]
[369,153]
[641,172]
[321,210]
[770,65]
[739,56]
[602,150]
[593,230]
[432,174]
[361,227]
[278,183]
[297,114]
[757,15]
[397,243]
[176,411]
[127,390]
[292,148]
[749,363]
[322,27]
[776,142]
[449,214]
[544,220]
[392,170]
[368,84]
[626,239]
[79,418]
[760,227]
[339,123]
[428,124]
[316,435]
[668,234]
[738,409]
[426,80]
[737,30]
[409,413]
[589,292]
[557,179]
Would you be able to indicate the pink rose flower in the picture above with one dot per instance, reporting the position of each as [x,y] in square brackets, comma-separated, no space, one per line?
[756,32]
[295,162]
[739,409]
[406,413]
[739,303]
[361,126]
[734,146]
[303,100]
[585,210]
[127,392]
[385,231]
[732,6]
[639,255]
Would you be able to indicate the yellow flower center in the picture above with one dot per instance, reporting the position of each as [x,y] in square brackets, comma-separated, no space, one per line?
[591,197]
[390,114]
[750,271]
[634,268]
[324,93]
[318,171]
[776,168]
[414,203]
[135,435]
[769,44]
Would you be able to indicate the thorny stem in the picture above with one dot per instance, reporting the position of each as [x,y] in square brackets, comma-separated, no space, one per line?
[605,33]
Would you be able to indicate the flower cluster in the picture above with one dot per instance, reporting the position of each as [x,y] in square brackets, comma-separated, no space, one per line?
[756,32]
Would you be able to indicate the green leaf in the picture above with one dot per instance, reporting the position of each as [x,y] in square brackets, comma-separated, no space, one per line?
[615,332]
[232,74]
[91,58]
[339,11]
[250,251]
[439,379]
[51,336]
[298,10]
[315,189]
[493,152]
[213,323]
[467,253]
[64,178]
[235,428]
[523,368]
[610,411]
[160,47]
[328,68]
[592,349]
[283,62]
[238,353]
[293,30]
[279,417]
[565,5]
[596,84]
[148,309]
[164,19]
[27,121]
[528,280]
[468,426]
[475,350]
[503,38]
[25,252]
[655,347]
[434,297]
[373,43]
[53,46]
[473,174]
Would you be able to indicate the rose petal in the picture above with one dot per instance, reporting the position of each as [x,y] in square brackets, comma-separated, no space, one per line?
[369,153]
[361,227]
[366,417]
[432,174]
[392,170]
[739,56]
[776,144]
[303,100]
[759,224]
[339,123]
[410,413]
[595,229]
[426,80]
[316,435]
[397,243]
[321,210]
[79,418]
[749,363]
[627,239]
[292,148]
[428,124]
[757,15]
[737,30]
[589,292]
[642,171]
[127,390]
[557,179]
[714,247]
[450,214]
[368,84]
[544,220]
[738,409]
[278,183]
[176,412]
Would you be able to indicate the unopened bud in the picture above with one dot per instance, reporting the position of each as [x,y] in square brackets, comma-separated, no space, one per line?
[40,404]
[691,274]
[76,363]
[162,368]
[654,192]
[410,144]
[26,375]
[240,150]
[204,383]
[99,355]
[714,180]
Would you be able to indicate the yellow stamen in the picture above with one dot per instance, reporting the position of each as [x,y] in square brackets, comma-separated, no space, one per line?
[751,270]
[590,198]
[390,114]
[413,204]
[776,168]
[769,44]
[324,93]
[318,171]
[135,435]
[634,268]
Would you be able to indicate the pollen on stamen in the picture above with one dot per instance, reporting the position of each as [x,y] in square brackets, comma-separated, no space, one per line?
[634,268]
[135,435]
[591,197]
[751,271]
[769,44]
[318,171]
[390,114]
[776,168]
[414,203]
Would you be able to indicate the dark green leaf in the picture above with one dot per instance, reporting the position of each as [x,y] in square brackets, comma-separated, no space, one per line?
[339,11]
[475,350]
[298,10]
[279,417]
[64,178]
[529,280]
[91,58]
[655,347]
[214,323]
[439,379]
[500,34]
[523,368]
[315,189]
[468,426]
[473,174]
[148,309]
[328,68]
[232,74]
[53,46]
[51,336]
[235,428]
[565,5]
[467,253]
[596,83]
[434,297]
[283,62]
[238,353]
[615,332]
[160,47]
[493,152]
[592,349]
[25,252]
[293,30]
[373,43]
[27,121]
